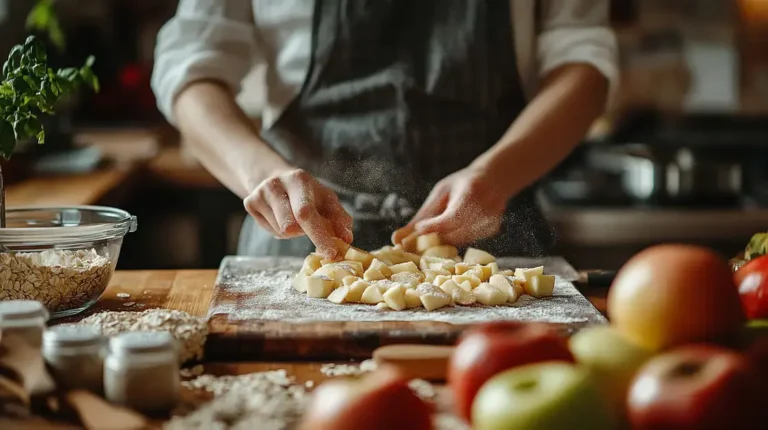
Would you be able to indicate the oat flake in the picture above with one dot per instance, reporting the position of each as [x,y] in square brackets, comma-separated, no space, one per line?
[61,280]
[191,332]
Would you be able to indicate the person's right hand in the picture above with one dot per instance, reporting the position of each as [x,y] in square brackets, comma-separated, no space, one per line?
[293,203]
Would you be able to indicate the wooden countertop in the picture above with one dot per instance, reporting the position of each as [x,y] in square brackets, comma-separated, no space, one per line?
[191,291]
[85,189]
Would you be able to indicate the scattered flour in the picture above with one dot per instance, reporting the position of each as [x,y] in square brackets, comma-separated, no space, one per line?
[272,400]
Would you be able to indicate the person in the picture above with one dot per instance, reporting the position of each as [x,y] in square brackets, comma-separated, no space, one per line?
[387,115]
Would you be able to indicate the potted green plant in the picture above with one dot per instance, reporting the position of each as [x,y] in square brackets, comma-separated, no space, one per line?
[61,256]
[29,90]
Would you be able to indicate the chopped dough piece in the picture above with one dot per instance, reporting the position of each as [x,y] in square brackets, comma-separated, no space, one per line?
[341,246]
[413,258]
[477,272]
[390,255]
[356,291]
[299,283]
[396,278]
[354,254]
[466,286]
[411,279]
[395,298]
[335,272]
[494,267]
[373,275]
[461,268]
[404,267]
[518,283]
[449,286]
[319,286]
[474,280]
[372,295]
[463,298]
[432,297]
[483,272]
[409,242]
[412,299]
[355,266]
[339,295]
[437,263]
[527,273]
[540,285]
[478,256]
[442,251]
[489,295]
[504,284]
[381,267]
[440,279]
[426,241]
[312,263]
[382,306]
[385,284]
[430,275]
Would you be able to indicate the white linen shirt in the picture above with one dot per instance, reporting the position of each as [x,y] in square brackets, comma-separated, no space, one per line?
[223,40]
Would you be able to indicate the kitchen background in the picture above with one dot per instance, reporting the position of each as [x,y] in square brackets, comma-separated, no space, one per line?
[680,156]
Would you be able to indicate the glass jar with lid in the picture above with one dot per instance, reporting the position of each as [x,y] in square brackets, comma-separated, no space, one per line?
[141,371]
[24,320]
[75,357]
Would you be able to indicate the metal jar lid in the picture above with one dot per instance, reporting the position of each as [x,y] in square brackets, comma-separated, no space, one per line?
[72,336]
[140,342]
[19,310]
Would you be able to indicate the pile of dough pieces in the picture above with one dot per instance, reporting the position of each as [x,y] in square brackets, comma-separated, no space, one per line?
[420,272]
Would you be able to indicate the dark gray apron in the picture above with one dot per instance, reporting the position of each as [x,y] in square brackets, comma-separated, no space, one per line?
[400,94]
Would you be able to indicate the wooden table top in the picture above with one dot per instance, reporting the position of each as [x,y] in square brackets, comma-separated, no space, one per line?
[191,291]
[69,190]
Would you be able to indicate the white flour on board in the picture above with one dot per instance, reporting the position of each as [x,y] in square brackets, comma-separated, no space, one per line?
[264,286]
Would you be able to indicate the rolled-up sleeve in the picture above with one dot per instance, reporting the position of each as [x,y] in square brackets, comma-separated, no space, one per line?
[578,31]
[205,40]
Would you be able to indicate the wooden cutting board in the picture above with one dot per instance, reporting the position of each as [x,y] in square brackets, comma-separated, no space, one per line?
[255,315]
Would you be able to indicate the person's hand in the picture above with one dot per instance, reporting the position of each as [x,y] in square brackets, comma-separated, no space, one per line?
[293,203]
[463,208]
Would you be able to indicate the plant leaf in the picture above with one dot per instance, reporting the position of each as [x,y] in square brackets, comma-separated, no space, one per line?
[87,75]
[7,139]
[20,86]
[70,74]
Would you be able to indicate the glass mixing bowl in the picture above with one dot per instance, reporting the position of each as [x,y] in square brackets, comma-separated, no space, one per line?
[62,257]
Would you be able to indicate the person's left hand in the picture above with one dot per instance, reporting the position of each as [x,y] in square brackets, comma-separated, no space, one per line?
[463,208]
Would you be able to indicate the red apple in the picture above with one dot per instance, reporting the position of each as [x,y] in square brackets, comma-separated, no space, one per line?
[698,387]
[488,349]
[380,400]
[757,349]
[752,280]
[670,295]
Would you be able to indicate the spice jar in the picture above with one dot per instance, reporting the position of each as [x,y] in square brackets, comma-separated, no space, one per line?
[75,357]
[142,371]
[23,319]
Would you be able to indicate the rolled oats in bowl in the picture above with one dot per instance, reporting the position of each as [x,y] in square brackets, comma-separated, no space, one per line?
[62,257]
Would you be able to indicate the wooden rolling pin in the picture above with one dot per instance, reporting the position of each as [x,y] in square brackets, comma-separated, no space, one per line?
[428,362]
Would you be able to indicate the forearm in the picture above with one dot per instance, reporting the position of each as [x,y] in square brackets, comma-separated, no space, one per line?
[548,129]
[223,138]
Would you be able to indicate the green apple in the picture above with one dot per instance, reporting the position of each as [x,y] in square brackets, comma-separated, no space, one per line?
[612,360]
[542,396]
[755,330]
